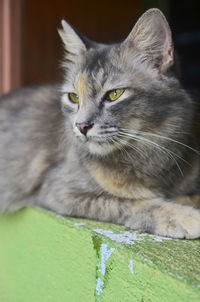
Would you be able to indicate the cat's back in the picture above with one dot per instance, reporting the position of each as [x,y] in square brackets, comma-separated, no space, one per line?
[30,117]
[30,111]
[29,102]
[30,132]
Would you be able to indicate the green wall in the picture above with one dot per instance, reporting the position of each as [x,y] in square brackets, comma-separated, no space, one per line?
[49,258]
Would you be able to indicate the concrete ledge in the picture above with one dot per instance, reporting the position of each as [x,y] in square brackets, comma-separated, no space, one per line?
[49,258]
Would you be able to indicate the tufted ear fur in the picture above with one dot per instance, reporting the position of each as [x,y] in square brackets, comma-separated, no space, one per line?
[73,43]
[151,36]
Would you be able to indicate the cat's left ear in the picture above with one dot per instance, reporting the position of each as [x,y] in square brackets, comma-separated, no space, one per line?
[73,43]
[151,36]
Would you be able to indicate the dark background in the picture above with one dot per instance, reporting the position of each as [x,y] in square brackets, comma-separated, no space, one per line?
[103,21]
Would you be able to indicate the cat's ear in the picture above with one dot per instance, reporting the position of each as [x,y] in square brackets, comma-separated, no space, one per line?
[72,41]
[152,38]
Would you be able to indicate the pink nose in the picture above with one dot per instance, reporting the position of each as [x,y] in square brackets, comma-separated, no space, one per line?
[83,127]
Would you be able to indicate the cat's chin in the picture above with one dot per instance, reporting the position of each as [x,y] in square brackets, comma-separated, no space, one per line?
[100,149]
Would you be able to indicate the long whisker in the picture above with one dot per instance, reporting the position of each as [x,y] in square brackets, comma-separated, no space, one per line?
[122,149]
[158,145]
[128,144]
[123,142]
[162,137]
[161,148]
[138,150]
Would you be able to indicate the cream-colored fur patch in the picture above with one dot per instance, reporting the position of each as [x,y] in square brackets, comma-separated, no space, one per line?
[81,86]
[193,200]
[119,184]
[37,168]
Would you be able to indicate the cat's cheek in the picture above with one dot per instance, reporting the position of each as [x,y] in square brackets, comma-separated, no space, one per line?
[134,123]
[69,110]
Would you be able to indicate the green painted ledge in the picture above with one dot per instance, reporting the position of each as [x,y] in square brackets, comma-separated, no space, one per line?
[49,258]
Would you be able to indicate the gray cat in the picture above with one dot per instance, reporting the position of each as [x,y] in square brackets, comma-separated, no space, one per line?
[115,143]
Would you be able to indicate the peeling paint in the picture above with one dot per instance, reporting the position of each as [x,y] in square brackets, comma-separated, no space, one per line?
[158,238]
[75,223]
[122,237]
[79,223]
[126,237]
[131,266]
[105,254]
[99,286]
[61,217]
[129,237]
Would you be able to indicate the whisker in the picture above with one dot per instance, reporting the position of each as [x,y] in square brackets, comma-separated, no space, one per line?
[162,137]
[122,149]
[104,133]
[158,145]
[161,148]
[125,143]
[138,150]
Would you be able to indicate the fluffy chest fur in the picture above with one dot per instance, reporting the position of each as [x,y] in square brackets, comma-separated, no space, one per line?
[120,184]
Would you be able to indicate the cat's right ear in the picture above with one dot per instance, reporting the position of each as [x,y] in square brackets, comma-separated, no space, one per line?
[152,39]
[72,42]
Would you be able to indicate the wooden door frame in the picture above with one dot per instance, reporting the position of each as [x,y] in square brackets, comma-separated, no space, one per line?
[10,44]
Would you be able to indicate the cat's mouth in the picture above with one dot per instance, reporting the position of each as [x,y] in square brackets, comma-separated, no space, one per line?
[99,145]
[100,140]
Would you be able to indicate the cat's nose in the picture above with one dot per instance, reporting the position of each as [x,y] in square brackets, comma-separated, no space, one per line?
[84,127]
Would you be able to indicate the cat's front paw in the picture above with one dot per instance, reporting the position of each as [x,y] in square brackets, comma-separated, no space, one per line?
[165,219]
[179,222]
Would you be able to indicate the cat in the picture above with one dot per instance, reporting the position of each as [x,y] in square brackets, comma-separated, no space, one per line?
[114,142]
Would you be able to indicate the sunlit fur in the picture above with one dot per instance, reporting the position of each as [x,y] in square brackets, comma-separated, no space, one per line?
[137,162]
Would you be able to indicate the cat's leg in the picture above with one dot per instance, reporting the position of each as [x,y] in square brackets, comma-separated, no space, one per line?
[155,216]
[12,205]
[191,200]
[165,218]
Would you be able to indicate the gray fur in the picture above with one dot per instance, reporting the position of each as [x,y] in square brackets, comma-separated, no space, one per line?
[108,175]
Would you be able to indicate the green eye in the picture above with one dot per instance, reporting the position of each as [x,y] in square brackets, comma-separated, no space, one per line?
[73,97]
[115,94]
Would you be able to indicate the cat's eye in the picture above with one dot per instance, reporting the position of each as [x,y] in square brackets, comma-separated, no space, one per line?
[74,98]
[115,94]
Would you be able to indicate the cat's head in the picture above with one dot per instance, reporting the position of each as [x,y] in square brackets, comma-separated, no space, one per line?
[111,88]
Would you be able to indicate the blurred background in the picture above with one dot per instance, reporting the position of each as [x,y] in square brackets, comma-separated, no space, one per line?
[31,50]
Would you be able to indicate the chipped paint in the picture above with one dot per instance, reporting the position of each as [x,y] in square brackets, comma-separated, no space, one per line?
[75,223]
[158,238]
[105,254]
[129,237]
[124,237]
[99,286]
[130,266]
[78,224]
